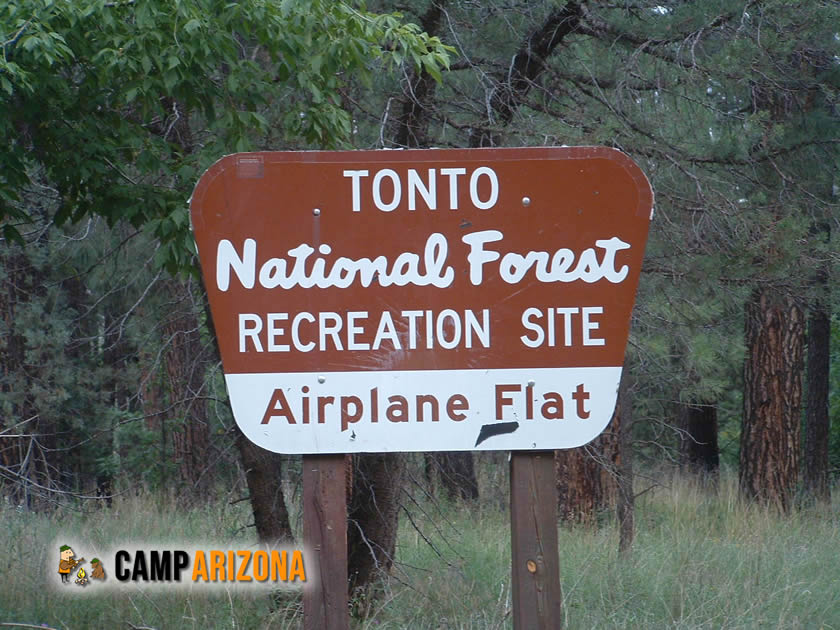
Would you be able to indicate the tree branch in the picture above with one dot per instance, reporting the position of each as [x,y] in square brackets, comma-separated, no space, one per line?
[600,29]
[529,60]
[413,123]
[16,37]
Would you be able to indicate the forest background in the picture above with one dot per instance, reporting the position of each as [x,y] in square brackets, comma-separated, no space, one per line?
[110,382]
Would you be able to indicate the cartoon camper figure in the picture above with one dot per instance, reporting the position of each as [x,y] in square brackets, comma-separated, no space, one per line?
[98,572]
[67,563]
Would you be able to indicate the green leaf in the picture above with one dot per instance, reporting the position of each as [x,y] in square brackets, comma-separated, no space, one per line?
[317,96]
[11,235]
[29,43]
[315,63]
[242,145]
[170,78]
[261,120]
[110,160]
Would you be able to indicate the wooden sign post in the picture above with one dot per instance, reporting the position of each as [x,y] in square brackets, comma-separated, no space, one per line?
[424,300]
[325,537]
[535,562]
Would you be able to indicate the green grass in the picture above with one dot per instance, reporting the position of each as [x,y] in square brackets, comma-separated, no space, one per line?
[699,561]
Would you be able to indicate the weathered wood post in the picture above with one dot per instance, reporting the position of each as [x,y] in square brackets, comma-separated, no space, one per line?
[535,561]
[325,540]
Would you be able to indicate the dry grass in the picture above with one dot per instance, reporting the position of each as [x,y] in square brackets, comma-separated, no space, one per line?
[701,560]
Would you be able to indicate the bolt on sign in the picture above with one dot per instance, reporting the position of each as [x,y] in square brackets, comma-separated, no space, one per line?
[422,300]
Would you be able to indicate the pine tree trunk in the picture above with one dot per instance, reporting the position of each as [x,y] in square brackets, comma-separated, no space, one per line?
[456,472]
[699,454]
[578,478]
[769,461]
[817,421]
[80,349]
[187,362]
[263,473]
[587,477]
[30,457]
[13,449]
[372,517]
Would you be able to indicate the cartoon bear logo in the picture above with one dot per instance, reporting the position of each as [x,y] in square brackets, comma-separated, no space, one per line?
[98,572]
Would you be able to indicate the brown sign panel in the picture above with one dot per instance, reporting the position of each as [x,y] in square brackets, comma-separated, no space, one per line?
[422,300]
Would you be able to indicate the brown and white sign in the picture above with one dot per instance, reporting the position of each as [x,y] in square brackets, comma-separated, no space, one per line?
[422,300]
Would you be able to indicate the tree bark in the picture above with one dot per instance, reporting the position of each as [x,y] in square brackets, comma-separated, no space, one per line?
[456,472]
[372,517]
[263,472]
[699,454]
[13,449]
[578,478]
[587,477]
[30,456]
[187,362]
[769,460]
[817,421]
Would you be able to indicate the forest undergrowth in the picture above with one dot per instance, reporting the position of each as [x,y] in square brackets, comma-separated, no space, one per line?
[701,559]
